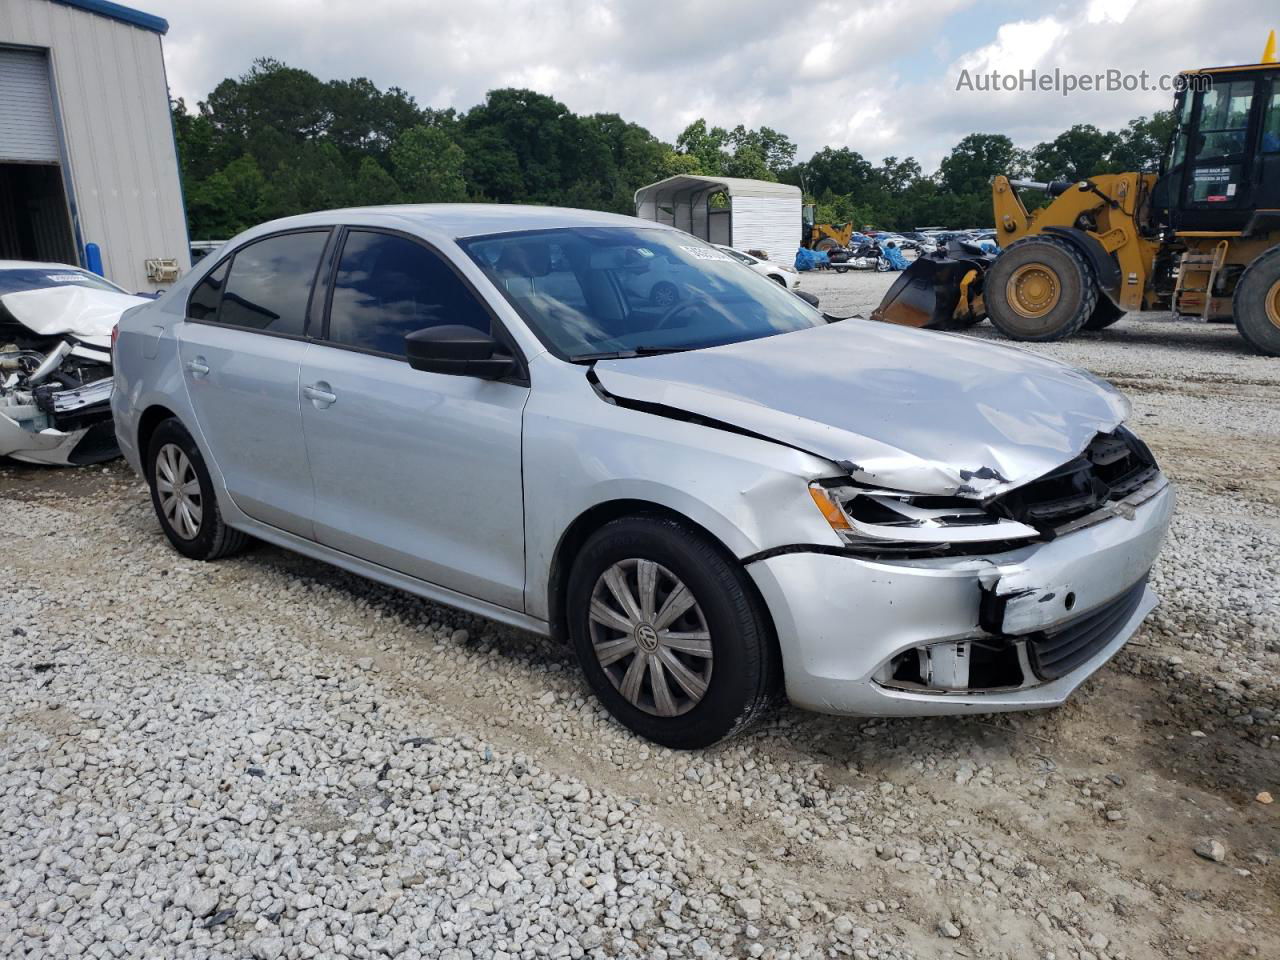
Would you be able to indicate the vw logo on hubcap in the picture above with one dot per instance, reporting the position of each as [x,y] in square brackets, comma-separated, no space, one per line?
[647,637]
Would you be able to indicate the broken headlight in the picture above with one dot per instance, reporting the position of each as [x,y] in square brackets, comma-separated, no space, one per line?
[887,521]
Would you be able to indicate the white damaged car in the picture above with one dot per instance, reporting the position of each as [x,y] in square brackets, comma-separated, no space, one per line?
[55,362]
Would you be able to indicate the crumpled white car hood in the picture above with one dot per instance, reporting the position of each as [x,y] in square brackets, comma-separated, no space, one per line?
[80,312]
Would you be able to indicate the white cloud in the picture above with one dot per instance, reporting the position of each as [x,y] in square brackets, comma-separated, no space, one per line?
[878,76]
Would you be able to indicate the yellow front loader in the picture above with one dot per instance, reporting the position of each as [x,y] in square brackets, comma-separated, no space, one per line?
[1203,235]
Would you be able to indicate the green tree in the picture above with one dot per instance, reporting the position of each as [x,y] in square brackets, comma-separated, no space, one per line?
[1075,154]
[975,160]
[429,166]
[373,185]
[1142,143]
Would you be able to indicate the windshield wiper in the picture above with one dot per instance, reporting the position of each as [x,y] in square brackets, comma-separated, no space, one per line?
[629,353]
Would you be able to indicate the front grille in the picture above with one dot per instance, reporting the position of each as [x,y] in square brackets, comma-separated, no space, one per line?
[1112,467]
[1055,653]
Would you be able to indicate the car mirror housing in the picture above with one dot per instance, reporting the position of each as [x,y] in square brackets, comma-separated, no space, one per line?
[457,350]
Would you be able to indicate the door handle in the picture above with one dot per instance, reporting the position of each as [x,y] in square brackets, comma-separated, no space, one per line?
[197,367]
[320,394]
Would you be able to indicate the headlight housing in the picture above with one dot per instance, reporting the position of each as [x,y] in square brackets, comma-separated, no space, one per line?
[875,521]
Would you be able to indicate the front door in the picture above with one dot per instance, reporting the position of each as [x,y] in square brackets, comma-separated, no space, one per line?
[415,471]
[241,351]
[1217,185]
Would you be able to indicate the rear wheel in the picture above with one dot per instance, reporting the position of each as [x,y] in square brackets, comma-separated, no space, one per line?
[1104,314]
[1040,289]
[669,632]
[1256,303]
[825,244]
[183,497]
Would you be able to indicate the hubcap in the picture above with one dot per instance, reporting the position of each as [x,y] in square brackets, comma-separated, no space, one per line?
[650,637]
[179,490]
[1273,304]
[1033,290]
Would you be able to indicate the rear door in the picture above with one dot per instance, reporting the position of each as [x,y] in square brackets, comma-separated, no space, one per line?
[241,350]
[415,471]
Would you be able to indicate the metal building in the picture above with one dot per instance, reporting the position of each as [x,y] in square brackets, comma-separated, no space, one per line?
[87,153]
[759,215]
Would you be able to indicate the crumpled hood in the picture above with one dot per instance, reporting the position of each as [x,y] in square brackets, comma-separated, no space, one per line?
[82,312]
[909,410]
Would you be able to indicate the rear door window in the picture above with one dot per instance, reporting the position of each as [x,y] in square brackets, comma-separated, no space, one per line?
[388,286]
[269,284]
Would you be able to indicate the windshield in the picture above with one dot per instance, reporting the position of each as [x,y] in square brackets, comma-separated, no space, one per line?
[595,292]
[36,278]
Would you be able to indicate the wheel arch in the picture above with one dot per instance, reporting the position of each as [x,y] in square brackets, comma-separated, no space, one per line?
[595,517]
[1105,268]
[151,418]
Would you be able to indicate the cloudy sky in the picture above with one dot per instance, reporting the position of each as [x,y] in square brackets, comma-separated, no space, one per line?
[879,76]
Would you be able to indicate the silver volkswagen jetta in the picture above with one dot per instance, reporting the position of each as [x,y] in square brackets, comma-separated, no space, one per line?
[711,494]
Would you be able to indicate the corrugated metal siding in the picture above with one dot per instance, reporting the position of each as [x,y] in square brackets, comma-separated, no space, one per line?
[771,224]
[110,91]
[27,130]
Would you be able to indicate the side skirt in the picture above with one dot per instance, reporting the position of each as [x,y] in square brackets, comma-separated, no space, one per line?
[392,578]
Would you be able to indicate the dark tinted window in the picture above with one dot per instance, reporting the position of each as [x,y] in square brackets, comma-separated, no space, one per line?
[270,282]
[389,286]
[203,304]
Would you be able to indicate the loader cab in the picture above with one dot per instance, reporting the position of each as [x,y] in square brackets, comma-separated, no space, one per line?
[1223,159]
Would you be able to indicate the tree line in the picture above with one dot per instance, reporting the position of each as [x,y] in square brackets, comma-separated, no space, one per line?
[279,141]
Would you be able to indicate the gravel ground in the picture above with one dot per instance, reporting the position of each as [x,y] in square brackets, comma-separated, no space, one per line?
[266,757]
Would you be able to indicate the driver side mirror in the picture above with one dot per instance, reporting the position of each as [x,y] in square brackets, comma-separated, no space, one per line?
[457,350]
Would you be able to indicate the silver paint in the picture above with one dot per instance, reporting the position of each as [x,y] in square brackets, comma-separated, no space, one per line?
[517,467]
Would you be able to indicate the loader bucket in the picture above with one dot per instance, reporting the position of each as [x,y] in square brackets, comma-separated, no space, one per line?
[939,291]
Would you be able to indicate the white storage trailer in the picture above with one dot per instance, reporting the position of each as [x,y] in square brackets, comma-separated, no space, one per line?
[88,163]
[758,215]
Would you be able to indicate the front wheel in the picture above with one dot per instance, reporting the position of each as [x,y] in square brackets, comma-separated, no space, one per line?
[1040,289]
[1256,304]
[669,632]
[183,497]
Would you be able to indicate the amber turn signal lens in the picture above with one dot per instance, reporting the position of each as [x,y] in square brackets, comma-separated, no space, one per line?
[830,509]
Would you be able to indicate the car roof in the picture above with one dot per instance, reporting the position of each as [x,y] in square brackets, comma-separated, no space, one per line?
[461,219]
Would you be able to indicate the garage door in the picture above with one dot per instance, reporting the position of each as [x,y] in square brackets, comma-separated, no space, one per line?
[27,130]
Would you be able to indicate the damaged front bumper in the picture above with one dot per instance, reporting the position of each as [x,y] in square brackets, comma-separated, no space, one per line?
[1012,631]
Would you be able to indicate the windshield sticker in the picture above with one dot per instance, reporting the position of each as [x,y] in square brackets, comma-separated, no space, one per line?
[706,253]
[64,278]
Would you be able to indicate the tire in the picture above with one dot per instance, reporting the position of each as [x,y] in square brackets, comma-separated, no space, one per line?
[840,268]
[663,294]
[728,690]
[826,243]
[172,452]
[1104,314]
[1060,289]
[1256,304]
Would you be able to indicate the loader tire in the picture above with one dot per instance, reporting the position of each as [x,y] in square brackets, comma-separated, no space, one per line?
[1104,314]
[1256,304]
[1040,289]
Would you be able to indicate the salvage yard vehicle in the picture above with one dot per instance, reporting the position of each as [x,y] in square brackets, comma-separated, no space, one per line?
[780,273]
[709,500]
[1202,234]
[55,362]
